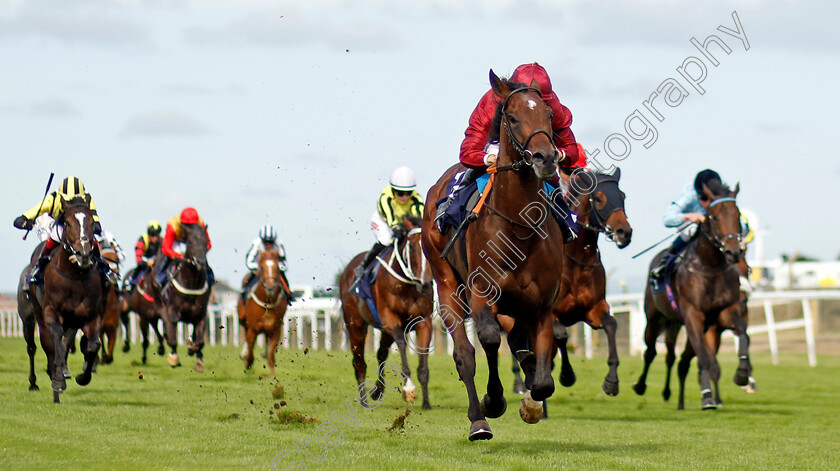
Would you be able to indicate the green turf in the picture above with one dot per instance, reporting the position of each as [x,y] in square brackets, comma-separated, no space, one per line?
[225,418]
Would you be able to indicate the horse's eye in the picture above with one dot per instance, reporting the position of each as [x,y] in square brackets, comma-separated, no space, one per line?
[512,119]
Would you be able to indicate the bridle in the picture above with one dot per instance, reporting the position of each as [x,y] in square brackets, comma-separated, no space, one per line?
[68,244]
[719,241]
[521,148]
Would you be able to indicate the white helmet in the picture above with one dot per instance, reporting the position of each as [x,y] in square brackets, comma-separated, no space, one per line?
[403,179]
[268,234]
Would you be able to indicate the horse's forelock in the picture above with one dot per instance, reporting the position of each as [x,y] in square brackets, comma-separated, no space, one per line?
[718,188]
[496,123]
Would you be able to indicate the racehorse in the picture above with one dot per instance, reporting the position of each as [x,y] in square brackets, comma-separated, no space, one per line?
[185,295]
[263,310]
[705,293]
[140,300]
[72,298]
[111,319]
[404,301]
[509,261]
[599,204]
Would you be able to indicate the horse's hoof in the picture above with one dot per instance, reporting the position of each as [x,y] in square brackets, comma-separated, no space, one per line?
[66,372]
[126,347]
[751,387]
[143,359]
[409,395]
[173,360]
[199,366]
[375,393]
[709,403]
[568,380]
[610,388]
[56,400]
[480,430]
[491,410]
[83,379]
[107,360]
[742,377]
[530,410]
[161,350]
[666,394]
[426,405]
[640,388]
[34,387]
[519,388]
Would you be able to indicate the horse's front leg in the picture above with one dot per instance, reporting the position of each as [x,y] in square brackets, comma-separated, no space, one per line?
[171,324]
[694,325]
[199,334]
[531,408]
[385,342]
[672,330]
[250,338]
[600,317]
[273,340]
[561,339]
[52,336]
[409,390]
[424,340]
[493,404]
[89,346]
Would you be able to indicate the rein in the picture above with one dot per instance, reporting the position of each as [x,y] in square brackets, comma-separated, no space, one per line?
[181,288]
[70,276]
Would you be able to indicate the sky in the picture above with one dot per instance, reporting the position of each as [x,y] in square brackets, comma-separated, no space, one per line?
[295,113]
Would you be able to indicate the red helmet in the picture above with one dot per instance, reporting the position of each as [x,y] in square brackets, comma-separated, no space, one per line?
[189,216]
[525,73]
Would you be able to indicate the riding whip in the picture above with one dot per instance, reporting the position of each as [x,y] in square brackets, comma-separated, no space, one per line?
[49,183]
[677,231]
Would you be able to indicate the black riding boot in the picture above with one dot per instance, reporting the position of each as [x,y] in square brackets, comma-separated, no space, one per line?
[467,178]
[360,270]
[246,287]
[674,250]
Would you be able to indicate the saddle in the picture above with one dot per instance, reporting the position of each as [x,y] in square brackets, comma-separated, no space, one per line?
[466,199]
[666,284]
[364,288]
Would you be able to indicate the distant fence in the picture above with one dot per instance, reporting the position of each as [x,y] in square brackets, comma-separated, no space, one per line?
[313,322]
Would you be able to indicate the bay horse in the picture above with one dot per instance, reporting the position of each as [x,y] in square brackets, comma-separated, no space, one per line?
[185,296]
[140,301]
[599,203]
[265,307]
[111,318]
[705,294]
[72,297]
[509,261]
[404,300]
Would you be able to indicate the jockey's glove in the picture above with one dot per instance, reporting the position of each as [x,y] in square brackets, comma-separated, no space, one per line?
[21,222]
[399,232]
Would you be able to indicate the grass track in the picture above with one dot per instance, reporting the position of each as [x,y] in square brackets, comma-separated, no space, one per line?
[178,419]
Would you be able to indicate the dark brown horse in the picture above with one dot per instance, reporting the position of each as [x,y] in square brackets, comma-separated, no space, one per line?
[263,311]
[72,298]
[111,319]
[404,300]
[599,204]
[706,293]
[509,261]
[140,301]
[186,294]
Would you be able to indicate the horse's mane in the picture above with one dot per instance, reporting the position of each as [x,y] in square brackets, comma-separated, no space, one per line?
[496,123]
[718,188]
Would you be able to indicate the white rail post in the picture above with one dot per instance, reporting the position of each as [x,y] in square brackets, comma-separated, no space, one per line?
[3,316]
[809,331]
[234,324]
[327,331]
[224,328]
[770,320]
[314,328]
[132,321]
[285,340]
[211,324]
[300,332]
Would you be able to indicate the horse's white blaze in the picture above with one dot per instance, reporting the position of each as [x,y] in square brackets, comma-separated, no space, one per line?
[532,104]
[81,218]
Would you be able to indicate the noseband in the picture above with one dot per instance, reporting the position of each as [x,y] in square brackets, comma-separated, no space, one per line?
[404,261]
[521,148]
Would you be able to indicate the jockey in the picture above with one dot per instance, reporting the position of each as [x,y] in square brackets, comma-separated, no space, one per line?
[175,233]
[145,250]
[397,200]
[267,237]
[691,205]
[48,219]
[478,151]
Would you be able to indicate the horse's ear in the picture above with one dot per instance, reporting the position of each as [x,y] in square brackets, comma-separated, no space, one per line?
[737,189]
[535,84]
[708,193]
[617,174]
[87,199]
[499,88]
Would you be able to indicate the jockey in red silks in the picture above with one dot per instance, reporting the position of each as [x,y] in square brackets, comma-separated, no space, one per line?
[175,233]
[478,151]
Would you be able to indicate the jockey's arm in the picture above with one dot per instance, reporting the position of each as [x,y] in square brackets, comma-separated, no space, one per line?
[46,205]
[251,256]
[385,210]
[207,234]
[93,209]
[168,240]
[139,251]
